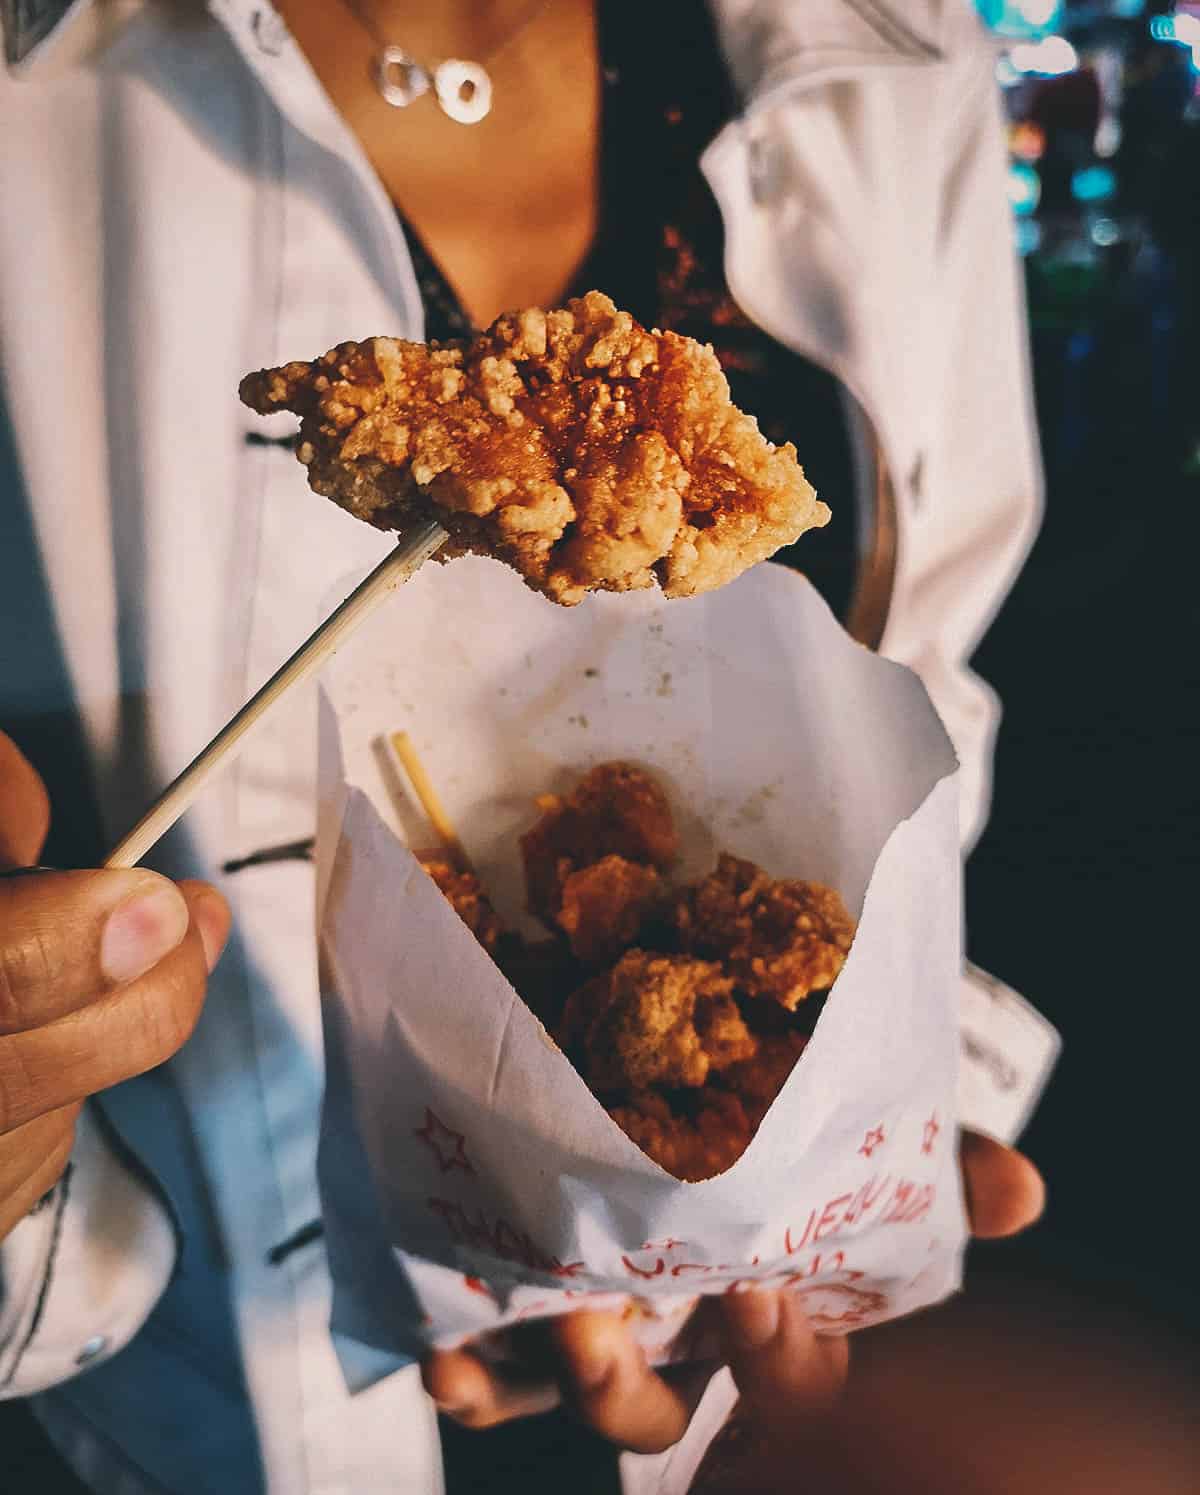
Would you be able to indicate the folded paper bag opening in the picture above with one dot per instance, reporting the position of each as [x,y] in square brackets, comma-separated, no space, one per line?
[468,1175]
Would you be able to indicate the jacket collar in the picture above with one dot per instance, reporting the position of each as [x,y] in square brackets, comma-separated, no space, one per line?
[29,26]
[775,44]
[769,42]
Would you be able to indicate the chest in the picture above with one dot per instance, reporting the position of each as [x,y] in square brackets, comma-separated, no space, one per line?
[506,206]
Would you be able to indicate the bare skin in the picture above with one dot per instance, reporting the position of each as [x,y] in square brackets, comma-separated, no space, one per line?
[508,206]
[784,1372]
[102,976]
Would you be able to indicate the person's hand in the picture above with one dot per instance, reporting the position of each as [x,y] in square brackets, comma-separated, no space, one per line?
[784,1372]
[789,1378]
[102,976]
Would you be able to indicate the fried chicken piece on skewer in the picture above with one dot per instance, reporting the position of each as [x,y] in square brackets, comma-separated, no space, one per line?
[656,1020]
[779,940]
[616,810]
[583,450]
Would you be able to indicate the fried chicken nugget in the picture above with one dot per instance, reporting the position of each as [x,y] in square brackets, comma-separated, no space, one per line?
[583,450]
[604,906]
[464,892]
[542,972]
[756,1081]
[778,940]
[660,1020]
[615,810]
[580,1011]
[690,1147]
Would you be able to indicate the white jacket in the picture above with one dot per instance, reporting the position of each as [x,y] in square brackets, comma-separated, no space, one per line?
[179,203]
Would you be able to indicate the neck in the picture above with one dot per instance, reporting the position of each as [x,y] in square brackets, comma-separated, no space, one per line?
[445,27]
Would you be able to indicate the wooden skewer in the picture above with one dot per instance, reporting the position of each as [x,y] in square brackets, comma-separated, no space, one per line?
[413,549]
[402,746]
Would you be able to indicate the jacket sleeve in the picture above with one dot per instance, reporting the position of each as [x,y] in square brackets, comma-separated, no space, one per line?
[977,507]
[974,501]
[82,1273]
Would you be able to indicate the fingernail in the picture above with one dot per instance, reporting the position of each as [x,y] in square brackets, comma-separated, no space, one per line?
[753,1316]
[141,930]
[209,915]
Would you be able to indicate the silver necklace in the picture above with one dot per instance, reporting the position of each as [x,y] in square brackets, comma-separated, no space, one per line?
[462,88]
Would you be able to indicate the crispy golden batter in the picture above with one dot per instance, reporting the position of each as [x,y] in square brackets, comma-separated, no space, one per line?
[604,906]
[779,940]
[464,893]
[676,1036]
[580,1012]
[615,810]
[723,1032]
[658,1020]
[756,1081]
[690,1147]
[583,450]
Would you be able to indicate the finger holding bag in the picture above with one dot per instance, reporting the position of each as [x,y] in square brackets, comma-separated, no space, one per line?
[783,1371]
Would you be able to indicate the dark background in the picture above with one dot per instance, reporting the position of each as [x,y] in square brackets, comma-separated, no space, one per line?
[1083,891]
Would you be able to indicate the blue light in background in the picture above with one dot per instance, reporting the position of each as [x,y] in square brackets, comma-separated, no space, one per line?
[1024,188]
[1093,184]
[1181,29]
[1028,235]
[1021,18]
[1006,75]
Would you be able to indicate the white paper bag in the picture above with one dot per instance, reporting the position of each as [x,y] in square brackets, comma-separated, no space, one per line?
[470,1179]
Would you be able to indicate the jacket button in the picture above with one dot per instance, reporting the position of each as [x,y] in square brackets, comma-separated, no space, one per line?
[95,1346]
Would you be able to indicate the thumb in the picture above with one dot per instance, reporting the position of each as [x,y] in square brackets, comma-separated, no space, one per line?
[784,1371]
[24,807]
[68,937]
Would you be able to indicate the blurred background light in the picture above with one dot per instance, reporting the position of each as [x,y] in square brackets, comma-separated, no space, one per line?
[1024,188]
[1040,15]
[1106,221]
[1006,75]
[1021,19]
[1093,184]
[1027,141]
[1108,136]
[1179,27]
[1051,57]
